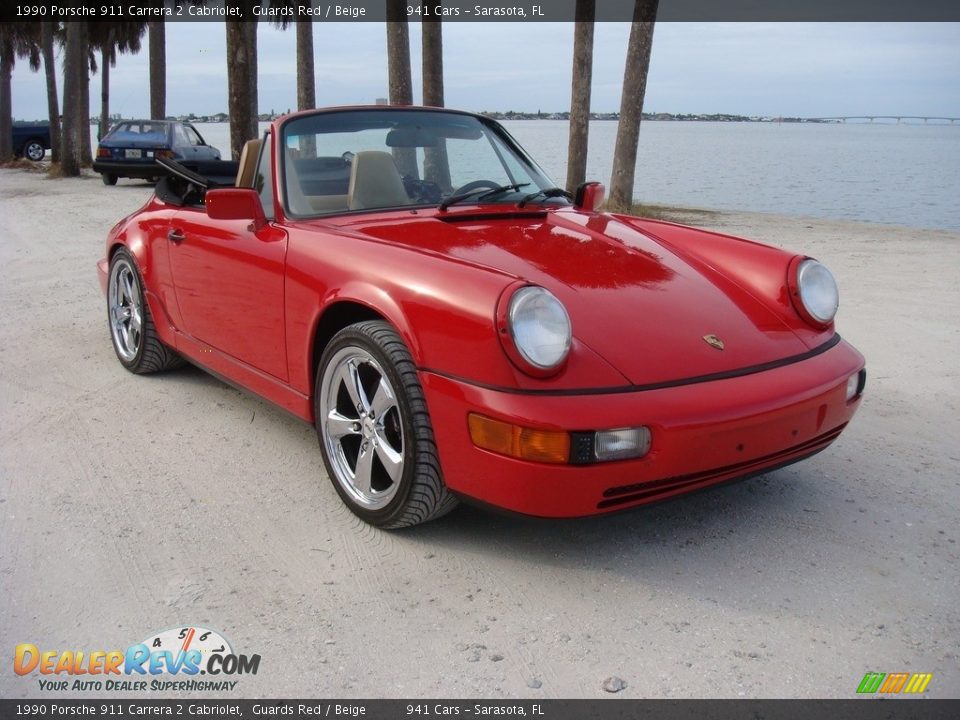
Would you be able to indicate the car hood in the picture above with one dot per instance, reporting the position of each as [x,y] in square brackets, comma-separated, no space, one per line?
[630,299]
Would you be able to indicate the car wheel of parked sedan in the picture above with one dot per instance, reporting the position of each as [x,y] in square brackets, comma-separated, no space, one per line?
[108,179]
[131,327]
[33,150]
[375,431]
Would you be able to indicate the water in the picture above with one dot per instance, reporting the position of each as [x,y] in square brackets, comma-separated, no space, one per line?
[906,174]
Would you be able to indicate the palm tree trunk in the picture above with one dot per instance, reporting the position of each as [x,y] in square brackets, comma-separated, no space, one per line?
[580,94]
[6,99]
[86,157]
[74,67]
[158,70]
[242,83]
[398,77]
[436,166]
[631,104]
[104,94]
[53,105]
[306,77]
[433,62]
[398,54]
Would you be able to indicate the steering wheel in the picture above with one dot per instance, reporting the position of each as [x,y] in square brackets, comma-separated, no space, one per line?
[475,185]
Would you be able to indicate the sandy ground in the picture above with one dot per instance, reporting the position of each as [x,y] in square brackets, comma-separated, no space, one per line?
[134,504]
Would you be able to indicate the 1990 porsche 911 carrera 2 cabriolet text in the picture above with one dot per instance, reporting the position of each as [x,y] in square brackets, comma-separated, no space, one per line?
[456,326]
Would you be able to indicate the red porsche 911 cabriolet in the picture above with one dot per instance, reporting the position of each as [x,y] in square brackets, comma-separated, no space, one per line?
[408,280]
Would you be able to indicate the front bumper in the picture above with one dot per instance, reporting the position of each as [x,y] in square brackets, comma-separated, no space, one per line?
[702,434]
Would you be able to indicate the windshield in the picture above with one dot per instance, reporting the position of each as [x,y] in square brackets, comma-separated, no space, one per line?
[351,160]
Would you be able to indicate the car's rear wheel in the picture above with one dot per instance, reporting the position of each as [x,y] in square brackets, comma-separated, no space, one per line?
[375,431]
[132,330]
[33,150]
[108,179]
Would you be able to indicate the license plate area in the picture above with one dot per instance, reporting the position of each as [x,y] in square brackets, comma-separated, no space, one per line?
[133,154]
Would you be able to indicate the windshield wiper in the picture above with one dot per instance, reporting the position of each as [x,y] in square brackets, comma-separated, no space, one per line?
[480,193]
[548,193]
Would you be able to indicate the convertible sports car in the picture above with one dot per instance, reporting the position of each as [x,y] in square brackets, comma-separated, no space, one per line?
[456,326]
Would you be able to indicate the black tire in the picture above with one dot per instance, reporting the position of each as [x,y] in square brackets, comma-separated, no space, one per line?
[419,494]
[139,351]
[108,179]
[33,150]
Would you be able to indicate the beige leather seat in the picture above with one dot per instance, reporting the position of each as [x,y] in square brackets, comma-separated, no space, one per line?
[248,163]
[375,182]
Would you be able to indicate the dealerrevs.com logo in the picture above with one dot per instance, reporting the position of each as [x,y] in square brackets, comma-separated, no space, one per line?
[179,653]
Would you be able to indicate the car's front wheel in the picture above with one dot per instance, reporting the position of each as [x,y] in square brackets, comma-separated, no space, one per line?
[375,431]
[132,331]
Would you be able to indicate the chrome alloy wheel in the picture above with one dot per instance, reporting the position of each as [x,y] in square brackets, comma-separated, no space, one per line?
[125,307]
[362,427]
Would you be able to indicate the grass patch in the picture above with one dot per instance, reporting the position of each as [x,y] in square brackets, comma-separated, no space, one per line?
[22,164]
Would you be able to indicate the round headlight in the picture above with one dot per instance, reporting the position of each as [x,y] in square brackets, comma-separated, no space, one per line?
[818,291]
[540,327]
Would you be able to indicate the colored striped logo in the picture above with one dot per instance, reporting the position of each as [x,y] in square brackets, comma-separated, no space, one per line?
[890,683]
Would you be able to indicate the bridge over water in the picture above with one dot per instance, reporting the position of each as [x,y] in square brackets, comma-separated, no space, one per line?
[871,118]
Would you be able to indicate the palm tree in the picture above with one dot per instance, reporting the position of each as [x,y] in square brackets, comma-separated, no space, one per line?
[158,69]
[17,40]
[47,30]
[432,62]
[7,60]
[75,67]
[112,38]
[580,94]
[631,103]
[436,166]
[398,54]
[398,76]
[242,77]
[306,77]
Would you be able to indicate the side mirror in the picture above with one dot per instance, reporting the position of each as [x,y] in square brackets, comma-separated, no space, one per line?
[235,204]
[589,196]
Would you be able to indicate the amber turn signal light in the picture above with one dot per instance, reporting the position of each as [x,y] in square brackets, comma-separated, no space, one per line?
[524,443]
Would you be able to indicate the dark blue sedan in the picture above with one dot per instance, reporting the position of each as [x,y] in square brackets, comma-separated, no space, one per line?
[130,147]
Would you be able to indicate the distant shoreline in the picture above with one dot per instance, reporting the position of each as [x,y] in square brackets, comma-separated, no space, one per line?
[615,117]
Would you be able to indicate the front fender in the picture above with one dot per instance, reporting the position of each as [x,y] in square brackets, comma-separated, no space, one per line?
[444,309]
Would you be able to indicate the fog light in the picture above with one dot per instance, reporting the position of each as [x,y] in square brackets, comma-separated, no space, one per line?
[855,384]
[621,444]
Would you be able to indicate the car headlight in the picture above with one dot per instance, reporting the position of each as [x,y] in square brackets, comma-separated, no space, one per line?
[817,291]
[539,328]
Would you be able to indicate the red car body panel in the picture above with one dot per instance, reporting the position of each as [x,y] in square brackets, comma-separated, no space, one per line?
[253,307]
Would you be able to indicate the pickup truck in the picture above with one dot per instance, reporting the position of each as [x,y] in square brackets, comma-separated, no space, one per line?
[31,140]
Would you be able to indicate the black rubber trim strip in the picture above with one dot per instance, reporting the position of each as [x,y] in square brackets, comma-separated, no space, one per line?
[621,389]
[490,216]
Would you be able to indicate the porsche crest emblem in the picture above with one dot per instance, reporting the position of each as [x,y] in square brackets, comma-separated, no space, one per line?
[713,341]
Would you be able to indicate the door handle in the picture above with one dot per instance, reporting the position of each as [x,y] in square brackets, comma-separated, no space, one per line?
[176,236]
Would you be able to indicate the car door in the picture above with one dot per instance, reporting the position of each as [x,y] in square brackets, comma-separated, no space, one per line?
[229,282]
[202,150]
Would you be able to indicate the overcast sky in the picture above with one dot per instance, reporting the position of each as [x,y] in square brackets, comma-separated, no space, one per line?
[788,69]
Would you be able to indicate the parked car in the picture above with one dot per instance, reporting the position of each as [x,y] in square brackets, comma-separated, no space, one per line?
[130,147]
[31,140]
[454,325]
